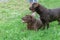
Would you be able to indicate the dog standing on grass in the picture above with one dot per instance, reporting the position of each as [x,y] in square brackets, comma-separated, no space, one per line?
[32,23]
[46,15]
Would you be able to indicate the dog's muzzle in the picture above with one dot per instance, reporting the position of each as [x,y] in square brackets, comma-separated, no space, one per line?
[32,9]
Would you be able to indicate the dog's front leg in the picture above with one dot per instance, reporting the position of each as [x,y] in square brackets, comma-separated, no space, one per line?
[59,21]
[47,24]
[43,26]
[35,28]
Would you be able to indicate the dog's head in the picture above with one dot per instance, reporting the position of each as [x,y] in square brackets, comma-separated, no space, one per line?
[27,19]
[34,6]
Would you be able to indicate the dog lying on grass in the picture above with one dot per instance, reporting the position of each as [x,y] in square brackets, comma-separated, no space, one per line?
[46,15]
[32,23]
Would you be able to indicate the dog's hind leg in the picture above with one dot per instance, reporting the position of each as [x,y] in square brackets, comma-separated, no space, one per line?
[43,26]
[59,21]
[47,25]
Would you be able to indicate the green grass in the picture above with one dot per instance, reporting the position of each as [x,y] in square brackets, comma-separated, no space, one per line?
[12,28]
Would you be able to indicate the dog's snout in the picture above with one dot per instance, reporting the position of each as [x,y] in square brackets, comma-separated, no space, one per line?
[30,8]
[21,18]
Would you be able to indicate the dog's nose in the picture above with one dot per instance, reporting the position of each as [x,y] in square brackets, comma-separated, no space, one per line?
[30,8]
[22,18]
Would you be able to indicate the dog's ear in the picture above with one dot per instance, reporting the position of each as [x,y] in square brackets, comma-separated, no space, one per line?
[29,16]
[26,15]
[35,5]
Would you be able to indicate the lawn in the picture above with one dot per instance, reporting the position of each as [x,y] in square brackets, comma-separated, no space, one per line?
[12,28]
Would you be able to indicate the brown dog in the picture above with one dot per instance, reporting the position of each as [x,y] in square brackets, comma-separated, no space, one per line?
[46,15]
[32,23]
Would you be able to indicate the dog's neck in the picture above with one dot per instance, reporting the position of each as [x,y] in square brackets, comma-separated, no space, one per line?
[40,10]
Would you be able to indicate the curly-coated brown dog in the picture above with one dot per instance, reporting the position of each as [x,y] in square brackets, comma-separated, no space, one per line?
[46,15]
[32,23]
